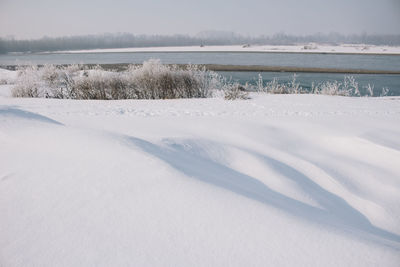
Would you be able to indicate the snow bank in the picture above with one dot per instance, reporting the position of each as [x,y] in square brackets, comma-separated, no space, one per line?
[278,180]
[301,48]
[7,76]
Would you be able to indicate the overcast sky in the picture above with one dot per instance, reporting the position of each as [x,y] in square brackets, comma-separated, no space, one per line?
[36,18]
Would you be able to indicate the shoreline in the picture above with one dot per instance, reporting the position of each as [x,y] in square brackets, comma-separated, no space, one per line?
[344,49]
[236,68]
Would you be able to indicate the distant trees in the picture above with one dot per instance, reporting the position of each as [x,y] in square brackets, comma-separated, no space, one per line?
[94,42]
[124,40]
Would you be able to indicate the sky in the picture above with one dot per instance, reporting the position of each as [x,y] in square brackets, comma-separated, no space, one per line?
[38,18]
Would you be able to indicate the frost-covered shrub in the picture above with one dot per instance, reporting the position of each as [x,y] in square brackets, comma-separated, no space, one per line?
[349,87]
[152,80]
[48,81]
[94,84]
[385,91]
[235,91]
[50,74]
[369,89]
[29,83]
[330,88]
[274,87]
[260,83]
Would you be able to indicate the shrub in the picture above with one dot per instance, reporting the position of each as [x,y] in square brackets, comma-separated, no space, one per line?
[28,83]
[349,87]
[152,80]
[274,87]
[236,91]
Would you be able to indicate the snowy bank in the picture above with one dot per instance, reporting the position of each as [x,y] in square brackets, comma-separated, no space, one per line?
[278,180]
[300,48]
[7,76]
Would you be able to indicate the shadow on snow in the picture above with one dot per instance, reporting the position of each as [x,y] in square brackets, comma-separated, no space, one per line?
[336,211]
[9,111]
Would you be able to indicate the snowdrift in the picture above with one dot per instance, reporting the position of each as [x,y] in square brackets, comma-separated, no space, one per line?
[278,180]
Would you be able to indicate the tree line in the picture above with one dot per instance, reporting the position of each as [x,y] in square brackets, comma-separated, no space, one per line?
[125,40]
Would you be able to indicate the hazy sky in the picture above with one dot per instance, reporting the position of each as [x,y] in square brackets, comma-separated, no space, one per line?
[36,18]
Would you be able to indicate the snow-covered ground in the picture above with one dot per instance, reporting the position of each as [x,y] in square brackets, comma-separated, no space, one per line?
[303,48]
[278,180]
[7,77]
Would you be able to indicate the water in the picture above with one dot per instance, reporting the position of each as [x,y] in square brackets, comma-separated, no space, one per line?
[366,62]
[379,81]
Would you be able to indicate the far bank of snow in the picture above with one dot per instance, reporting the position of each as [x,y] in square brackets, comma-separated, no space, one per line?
[301,48]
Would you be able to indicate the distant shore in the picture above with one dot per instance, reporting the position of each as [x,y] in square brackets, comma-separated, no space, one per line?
[351,49]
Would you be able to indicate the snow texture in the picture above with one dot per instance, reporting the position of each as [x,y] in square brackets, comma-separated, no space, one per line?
[277,180]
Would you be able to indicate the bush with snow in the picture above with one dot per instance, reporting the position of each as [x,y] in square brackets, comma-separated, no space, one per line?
[274,87]
[29,83]
[349,87]
[235,91]
[152,80]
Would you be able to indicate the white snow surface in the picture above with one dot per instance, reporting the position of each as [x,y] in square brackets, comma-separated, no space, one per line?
[278,180]
[300,48]
[7,76]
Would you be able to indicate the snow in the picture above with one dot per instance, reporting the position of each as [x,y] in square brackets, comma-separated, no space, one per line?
[277,180]
[7,76]
[7,79]
[300,48]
